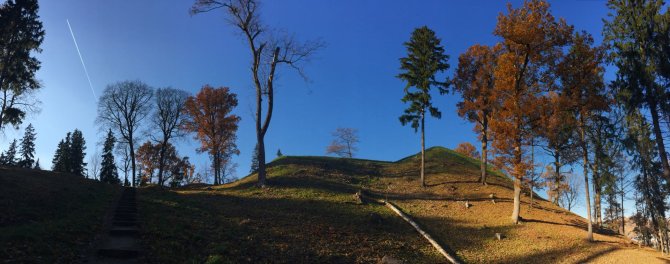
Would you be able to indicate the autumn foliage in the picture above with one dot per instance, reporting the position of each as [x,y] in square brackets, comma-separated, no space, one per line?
[468,150]
[209,117]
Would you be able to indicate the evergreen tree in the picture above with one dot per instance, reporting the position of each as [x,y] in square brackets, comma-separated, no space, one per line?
[425,58]
[108,172]
[9,157]
[21,35]
[279,154]
[61,157]
[27,148]
[37,165]
[76,153]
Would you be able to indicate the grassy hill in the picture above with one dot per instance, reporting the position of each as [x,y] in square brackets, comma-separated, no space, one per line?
[48,217]
[309,214]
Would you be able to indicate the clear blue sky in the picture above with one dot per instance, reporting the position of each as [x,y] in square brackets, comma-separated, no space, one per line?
[352,81]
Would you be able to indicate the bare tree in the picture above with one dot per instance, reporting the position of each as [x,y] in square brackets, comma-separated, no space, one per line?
[344,144]
[122,107]
[94,164]
[168,118]
[571,191]
[268,50]
[122,151]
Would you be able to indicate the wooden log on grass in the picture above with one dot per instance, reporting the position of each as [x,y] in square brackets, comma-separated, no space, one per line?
[430,239]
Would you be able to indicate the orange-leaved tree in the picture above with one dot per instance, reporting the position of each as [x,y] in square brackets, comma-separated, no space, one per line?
[474,80]
[467,149]
[532,40]
[208,115]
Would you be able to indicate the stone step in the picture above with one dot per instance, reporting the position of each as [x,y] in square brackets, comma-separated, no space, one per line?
[124,231]
[123,247]
[125,223]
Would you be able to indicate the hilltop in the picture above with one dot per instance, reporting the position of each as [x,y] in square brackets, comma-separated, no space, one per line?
[309,214]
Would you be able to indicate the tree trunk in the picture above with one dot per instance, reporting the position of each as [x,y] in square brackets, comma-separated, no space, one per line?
[132,159]
[517,182]
[161,163]
[623,218]
[659,137]
[597,189]
[423,151]
[585,160]
[557,168]
[484,150]
[260,137]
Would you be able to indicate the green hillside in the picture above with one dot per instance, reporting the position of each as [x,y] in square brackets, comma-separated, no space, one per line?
[310,215]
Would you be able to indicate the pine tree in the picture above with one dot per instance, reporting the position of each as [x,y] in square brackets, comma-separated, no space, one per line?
[108,172]
[425,58]
[37,165]
[76,153]
[21,34]
[61,157]
[279,154]
[28,148]
[9,157]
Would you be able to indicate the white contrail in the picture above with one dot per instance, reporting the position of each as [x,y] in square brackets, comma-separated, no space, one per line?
[82,59]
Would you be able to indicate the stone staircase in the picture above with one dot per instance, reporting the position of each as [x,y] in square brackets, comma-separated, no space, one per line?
[122,242]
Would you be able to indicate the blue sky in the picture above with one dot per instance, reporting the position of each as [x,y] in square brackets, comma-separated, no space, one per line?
[351,82]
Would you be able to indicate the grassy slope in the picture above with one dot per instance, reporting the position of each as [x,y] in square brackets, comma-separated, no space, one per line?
[309,215]
[49,217]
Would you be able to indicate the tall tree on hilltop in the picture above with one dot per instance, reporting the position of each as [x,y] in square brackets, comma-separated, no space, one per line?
[475,80]
[638,35]
[168,118]
[108,172]
[61,162]
[425,59]
[581,77]
[344,144]
[122,107]
[268,51]
[21,34]
[531,41]
[77,153]
[27,151]
[8,158]
[208,115]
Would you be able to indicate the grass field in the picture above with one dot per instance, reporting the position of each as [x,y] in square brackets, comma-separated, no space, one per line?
[49,217]
[309,214]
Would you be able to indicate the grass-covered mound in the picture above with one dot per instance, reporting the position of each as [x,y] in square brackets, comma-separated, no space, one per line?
[48,217]
[309,215]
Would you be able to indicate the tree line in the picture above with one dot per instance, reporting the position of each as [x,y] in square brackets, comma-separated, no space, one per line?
[541,86]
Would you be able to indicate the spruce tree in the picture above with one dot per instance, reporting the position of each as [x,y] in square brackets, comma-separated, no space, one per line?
[9,157]
[425,59]
[76,153]
[62,155]
[28,148]
[37,165]
[108,172]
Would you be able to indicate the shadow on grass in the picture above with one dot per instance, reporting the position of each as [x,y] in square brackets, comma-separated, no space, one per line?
[261,228]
